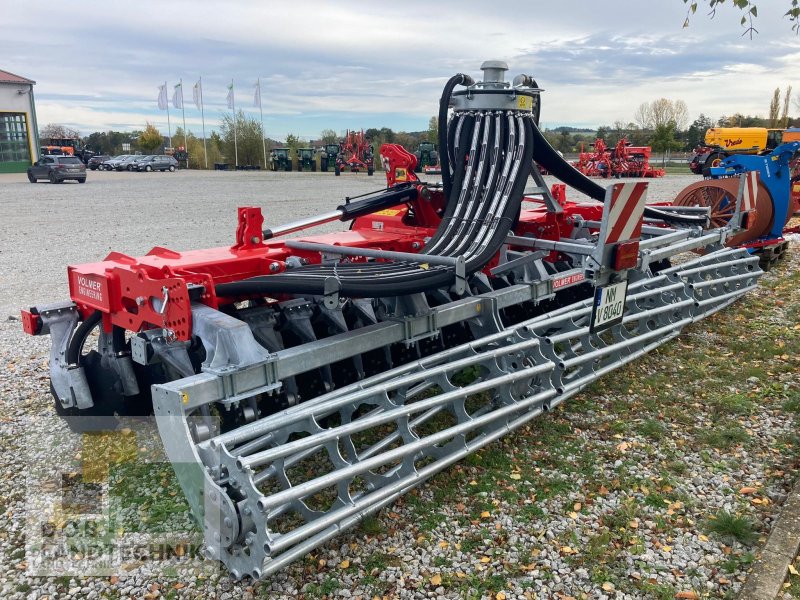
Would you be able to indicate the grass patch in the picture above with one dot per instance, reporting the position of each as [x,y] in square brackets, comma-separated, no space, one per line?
[733,527]
[725,437]
[651,428]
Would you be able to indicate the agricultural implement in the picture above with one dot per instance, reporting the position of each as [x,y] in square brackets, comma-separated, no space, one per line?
[427,158]
[356,154]
[721,142]
[302,384]
[306,161]
[624,160]
[279,160]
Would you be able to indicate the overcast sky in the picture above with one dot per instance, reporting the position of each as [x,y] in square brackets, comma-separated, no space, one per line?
[339,65]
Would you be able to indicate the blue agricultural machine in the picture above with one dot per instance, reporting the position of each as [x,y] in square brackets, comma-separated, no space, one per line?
[773,193]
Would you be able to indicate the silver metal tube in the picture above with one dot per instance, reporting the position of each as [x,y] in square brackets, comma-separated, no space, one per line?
[540,244]
[388,381]
[388,416]
[703,240]
[722,280]
[301,224]
[661,240]
[599,353]
[311,487]
[449,261]
[723,297]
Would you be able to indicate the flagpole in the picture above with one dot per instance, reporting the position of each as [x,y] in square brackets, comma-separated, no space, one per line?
[261,111]
[183,111]
[169,127]
[203,118]
[235,143]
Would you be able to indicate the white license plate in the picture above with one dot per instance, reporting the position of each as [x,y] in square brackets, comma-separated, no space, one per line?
[609,306]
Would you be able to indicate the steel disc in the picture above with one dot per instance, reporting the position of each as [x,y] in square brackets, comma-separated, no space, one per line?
[720,196]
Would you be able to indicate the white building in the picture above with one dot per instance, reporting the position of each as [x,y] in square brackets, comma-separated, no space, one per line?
[19,144]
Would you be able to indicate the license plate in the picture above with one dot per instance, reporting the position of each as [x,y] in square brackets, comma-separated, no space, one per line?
[609,306]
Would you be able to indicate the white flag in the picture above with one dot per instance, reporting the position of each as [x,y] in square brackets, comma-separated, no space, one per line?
[257,95]
[230,95]
[197,94]
[162,97]
[177,96]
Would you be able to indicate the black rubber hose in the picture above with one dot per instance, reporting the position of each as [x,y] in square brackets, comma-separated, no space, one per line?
[444,104]
[546,155]
[79,337]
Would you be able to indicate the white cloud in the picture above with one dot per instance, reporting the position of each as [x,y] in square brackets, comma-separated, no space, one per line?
[97,65]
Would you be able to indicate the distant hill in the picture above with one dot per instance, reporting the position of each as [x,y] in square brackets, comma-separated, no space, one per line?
[571,130]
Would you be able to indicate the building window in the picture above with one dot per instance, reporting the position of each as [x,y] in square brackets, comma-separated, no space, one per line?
[14,138]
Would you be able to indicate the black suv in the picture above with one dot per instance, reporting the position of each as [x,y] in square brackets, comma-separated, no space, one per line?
[58,169]
[95,162]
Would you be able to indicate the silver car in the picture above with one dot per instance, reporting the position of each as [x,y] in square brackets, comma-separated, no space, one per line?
[111,163]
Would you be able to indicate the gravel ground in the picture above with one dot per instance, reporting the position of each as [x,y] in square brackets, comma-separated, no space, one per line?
[614,495]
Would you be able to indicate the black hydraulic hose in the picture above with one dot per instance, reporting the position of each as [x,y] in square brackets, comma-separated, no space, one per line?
[546,155]
[79,337]
[444,104]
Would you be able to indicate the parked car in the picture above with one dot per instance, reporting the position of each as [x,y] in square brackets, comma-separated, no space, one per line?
[112,163]
[129,164]
[158,162]
[58,169]
[96,162]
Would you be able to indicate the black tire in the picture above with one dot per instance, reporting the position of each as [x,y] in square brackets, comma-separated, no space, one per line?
[31,178]
[337,170]
[313,166]
[324,166]
[148,168]
[82,180]
[52,177]
[289,165]
[172,168]
[370,171]
[713,161]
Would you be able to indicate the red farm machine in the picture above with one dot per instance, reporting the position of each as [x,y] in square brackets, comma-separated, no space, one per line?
[301,384]
[355,154]
[624,160]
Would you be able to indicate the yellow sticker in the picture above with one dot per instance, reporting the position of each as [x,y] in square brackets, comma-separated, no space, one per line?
[389,212]
[185,397]
[400,174]
[524,102]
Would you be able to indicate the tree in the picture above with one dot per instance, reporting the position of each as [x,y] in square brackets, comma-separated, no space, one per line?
[150,139]
[785,111]
[651,115]
[249,140]
[328,136]
[696,134]
[433,130]
[664,140]
[293,143]
[774,107]
[56,131]
[749,12]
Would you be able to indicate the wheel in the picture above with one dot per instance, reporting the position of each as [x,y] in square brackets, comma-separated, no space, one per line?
[82,180]
[370,171]
[172,168]
[288,165]
[31,178]
[313,166]
[130,167]
[337,170]
[324,166]
[148,168]
[713,161]
[52,177]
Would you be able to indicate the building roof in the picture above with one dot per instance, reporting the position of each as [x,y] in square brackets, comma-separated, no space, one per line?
[6,77]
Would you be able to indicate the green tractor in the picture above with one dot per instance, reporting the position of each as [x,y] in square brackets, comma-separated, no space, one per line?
[306,161]
[328,158]
[279,160]
[426,156]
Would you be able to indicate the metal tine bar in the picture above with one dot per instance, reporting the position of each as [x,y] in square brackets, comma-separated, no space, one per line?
[251,430]
[363,423]
[712,258]
[724,298]
[270,471]
[409,482]
[630,317]
[310,487]
[690,244]
[586,306]
[601,352]
[380,498]
[410,378]
[715,265]
[728,279]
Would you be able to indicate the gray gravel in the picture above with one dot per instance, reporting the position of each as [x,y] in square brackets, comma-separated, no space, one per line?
[46,227]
